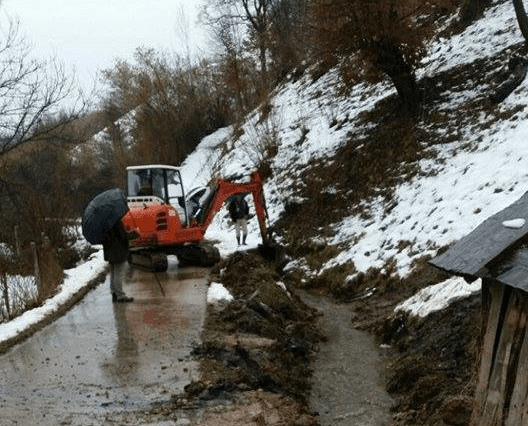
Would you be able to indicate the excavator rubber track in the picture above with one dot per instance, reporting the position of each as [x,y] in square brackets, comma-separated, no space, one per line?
[188,255]
[151,261]
[198,255]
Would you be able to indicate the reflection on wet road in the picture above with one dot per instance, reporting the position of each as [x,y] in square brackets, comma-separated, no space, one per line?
[103,357]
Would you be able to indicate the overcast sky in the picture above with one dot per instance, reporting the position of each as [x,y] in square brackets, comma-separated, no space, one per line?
[88,35]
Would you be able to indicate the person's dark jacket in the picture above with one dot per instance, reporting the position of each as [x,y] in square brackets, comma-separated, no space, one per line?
[238,210]
[115,244]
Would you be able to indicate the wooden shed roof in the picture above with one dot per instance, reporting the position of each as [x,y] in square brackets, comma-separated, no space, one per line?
[472,255]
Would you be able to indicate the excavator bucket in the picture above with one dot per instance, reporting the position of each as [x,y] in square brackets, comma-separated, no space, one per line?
[274,252]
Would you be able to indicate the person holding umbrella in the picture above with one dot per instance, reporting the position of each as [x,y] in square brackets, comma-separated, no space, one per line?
[101,224]
[115,249]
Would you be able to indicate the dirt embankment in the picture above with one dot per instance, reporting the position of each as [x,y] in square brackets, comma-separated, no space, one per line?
[256,351]
[432,371]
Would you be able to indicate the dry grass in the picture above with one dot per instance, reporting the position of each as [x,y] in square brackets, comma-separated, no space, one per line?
[51,274]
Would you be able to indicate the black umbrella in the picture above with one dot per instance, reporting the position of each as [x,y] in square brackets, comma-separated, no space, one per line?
[102,213]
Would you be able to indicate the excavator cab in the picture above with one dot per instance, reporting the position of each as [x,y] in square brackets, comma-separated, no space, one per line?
[157,184]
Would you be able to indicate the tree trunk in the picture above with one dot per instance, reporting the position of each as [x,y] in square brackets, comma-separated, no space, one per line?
[522,19]
[263,65]
[390,60]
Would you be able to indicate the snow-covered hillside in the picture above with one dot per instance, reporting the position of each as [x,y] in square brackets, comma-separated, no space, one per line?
[467,187]
[458,189]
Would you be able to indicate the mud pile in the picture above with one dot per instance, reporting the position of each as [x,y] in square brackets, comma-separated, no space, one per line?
[432,372]
[263,341]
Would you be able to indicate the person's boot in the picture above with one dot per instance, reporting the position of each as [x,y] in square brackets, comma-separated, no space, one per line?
[238,240]
[244,239]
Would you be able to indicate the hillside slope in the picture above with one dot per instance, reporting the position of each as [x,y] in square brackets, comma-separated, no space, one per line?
[461,162]
[362,199]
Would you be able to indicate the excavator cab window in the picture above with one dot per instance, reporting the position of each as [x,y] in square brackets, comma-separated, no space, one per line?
[159,186]
[162,183]
[174,187]
[153,182]
[144,183]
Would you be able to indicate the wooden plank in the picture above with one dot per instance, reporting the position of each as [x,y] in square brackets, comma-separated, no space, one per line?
[516,276]
[469,255]
[518,407]
[492,293]
[499,387]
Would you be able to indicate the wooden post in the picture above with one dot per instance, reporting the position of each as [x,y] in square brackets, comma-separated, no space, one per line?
[502,388]
[498,389]
[5,292]
[517,414]
[493,294]
[17,242]
[36,265]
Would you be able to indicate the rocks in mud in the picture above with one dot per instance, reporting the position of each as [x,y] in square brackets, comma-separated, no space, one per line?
[195,388]
[219,391]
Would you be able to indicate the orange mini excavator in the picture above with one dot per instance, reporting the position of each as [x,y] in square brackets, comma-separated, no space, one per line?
[163,221]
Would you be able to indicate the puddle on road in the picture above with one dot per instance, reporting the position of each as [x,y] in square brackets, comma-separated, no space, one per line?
[106,357]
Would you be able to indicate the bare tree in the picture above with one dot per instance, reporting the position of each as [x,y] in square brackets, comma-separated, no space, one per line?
[253,15]
[175,105]
[384,37]
[38,104]
[288,29]
[236,69]
[32,92]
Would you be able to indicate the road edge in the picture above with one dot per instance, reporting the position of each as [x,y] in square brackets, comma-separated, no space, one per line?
[54,315]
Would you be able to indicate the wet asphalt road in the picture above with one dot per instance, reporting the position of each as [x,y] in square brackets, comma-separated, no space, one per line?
[102,358]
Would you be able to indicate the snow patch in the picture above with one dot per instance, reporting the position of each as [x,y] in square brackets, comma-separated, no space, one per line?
[218,293]
[514,223]
[438,296]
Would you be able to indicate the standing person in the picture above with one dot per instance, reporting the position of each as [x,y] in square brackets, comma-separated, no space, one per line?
[239,211]
[115,248]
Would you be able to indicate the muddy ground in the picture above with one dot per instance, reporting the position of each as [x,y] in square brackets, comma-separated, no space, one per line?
[258,353]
